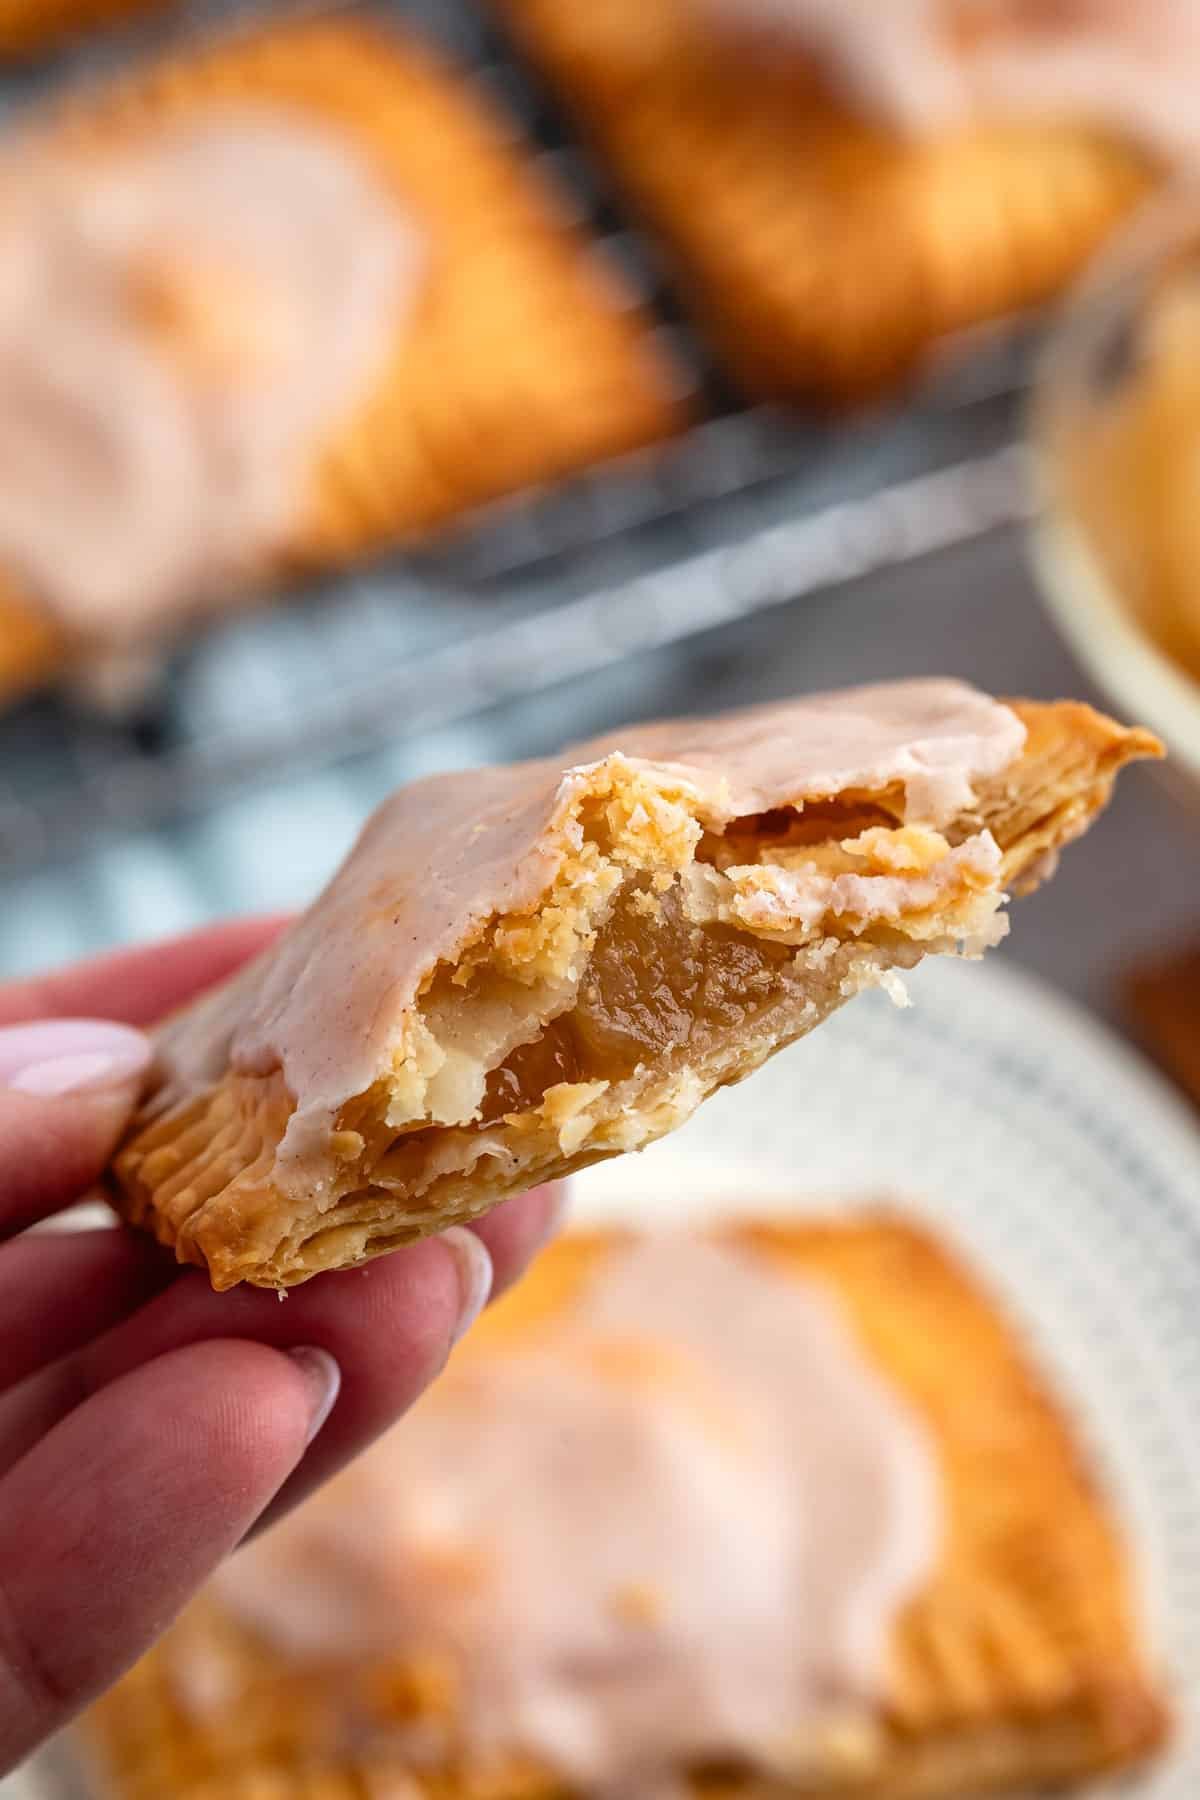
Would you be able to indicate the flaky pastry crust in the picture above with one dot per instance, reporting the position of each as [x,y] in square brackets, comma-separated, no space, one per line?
[1020,1664]
[522,971]
[830,253]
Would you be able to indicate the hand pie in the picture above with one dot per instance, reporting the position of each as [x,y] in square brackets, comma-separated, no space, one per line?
[833,247]
[285,301]
[618,1544]
[521,970]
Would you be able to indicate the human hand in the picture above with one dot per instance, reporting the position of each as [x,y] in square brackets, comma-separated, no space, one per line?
[146,1423]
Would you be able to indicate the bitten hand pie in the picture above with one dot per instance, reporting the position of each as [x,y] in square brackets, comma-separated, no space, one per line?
[521,970]
[825,234]
[283,301]
[620,1546]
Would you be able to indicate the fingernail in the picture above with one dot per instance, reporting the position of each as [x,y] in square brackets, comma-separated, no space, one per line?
[71,1056]
[556,1205]
[474,1275]
[324,1378]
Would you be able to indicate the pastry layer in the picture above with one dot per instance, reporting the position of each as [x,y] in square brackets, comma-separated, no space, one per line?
[1017,1663]
[520,971]
[514,360]
[831,252]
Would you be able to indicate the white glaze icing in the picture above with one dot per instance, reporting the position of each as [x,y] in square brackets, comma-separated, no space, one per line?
[183,320]
[678,1525]
[927,65]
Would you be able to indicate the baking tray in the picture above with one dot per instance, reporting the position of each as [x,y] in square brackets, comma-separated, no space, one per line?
[751,508]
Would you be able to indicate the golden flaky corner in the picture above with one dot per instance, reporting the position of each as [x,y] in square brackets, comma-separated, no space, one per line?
[521,360]
[830,253]
[1019,1664]
[523,970]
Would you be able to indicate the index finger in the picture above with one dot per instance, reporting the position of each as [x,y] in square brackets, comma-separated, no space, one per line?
[141,985]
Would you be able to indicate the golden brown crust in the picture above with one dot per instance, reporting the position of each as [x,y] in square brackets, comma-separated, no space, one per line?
[1063,777]
[28,27]
[207,1167]
[521,362]
[1040,1618]
[829,254]
[1019,1664]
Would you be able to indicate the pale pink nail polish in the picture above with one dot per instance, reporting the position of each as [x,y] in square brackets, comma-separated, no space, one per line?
[324,1379]
[55,1057]
[475,1275]
[556,1205]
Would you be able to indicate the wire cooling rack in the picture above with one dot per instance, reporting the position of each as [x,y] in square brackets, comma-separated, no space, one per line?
[750,509]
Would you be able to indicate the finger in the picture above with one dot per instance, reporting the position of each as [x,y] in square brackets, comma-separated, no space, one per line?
[67,1090]
[389,1326]
[517,1229]
[141,985]
[60,1290]
[116,1517]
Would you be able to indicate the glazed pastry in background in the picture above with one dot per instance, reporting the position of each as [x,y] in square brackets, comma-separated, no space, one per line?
[835,245]
[624,1544]
[275,305]
[521,970]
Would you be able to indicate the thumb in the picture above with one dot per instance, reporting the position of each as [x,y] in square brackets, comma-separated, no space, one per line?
[67,1090]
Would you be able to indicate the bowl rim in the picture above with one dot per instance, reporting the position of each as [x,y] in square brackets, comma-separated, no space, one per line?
[1103,633]
[1119,656]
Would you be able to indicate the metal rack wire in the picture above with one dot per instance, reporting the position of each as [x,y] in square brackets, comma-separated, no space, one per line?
[751,509]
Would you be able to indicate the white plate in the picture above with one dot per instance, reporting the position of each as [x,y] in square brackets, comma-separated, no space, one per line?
[1066,1172]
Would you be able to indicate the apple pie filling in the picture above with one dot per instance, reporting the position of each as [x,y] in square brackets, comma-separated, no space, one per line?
[678,966]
